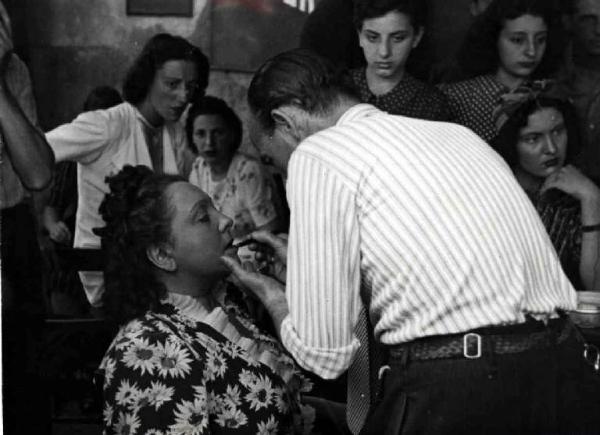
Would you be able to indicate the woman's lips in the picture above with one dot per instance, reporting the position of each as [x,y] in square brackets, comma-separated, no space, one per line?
[551,163]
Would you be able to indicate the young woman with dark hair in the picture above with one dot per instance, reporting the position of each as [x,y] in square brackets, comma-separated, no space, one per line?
[512,42]
[237,183]
[145,129]
[539,140]
[388,31]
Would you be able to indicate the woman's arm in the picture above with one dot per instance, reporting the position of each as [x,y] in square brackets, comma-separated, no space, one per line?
[573,182]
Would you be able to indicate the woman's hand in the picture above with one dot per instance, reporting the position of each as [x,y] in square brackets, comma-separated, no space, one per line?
[59,232]
[573,182]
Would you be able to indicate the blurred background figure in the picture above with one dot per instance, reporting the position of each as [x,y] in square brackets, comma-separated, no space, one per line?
[388,31]
[539,139]
[25,165]
[58,219]
[238,185]
[512,42]
[579,77]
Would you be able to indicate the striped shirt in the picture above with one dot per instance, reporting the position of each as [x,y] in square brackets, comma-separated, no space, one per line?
[428,217]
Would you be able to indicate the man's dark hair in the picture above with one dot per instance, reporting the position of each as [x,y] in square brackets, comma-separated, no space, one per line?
[415,10]
[158,50]
[209,105]
[298,77]
[508,137]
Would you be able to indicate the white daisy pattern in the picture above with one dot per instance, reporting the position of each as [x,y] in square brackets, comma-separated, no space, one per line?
[163,375]
[173,360]
[191,418]
[140,356]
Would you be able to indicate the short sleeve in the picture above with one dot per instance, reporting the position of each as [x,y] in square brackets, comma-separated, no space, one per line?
[84,139]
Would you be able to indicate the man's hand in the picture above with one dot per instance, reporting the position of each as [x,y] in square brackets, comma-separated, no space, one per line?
[270,253]
[268,290]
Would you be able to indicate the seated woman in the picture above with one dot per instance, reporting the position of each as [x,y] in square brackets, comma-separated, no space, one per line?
[388,31]
[186,359]
[237,184]
[512,42]
[538,139]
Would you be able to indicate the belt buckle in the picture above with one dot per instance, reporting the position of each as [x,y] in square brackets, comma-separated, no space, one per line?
[467,345]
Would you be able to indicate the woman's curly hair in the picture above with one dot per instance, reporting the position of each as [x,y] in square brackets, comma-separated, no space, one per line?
[478,54]
[137,215]
[209,105]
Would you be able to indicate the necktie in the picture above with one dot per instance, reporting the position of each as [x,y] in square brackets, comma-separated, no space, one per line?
[363,379]
[359,391]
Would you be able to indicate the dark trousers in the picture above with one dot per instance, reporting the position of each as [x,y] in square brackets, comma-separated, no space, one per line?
[25,402]
[550,390]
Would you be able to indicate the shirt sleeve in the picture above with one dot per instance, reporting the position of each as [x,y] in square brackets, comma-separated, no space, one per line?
[84,139]
[323,275]
[255,190]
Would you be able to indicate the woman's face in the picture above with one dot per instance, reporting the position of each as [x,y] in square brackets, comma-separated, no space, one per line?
[387,42]
[542,145]
[521,45]
[200,234]
[171,90]
[213,139]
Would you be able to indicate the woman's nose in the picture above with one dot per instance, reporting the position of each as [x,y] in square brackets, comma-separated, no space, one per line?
[550,146]
[384,49]
[531,48]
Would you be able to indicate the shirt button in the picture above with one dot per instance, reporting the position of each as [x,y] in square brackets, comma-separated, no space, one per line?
[362,396]
[592,126]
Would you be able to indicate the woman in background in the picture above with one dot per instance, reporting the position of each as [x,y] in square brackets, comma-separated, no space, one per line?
[388,31]
[237,184]
[512,42]
[145,129]
[539,139]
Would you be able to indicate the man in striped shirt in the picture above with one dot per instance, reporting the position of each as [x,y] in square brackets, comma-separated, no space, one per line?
[465,288]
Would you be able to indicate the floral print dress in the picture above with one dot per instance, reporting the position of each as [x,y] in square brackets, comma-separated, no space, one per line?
[168,373]
[245,194]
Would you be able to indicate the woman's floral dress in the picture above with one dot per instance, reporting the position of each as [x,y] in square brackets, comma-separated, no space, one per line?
[167,373]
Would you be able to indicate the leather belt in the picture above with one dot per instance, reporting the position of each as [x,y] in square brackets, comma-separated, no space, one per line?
[477,343]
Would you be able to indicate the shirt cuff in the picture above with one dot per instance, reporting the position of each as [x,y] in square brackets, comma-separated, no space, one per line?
[328,363]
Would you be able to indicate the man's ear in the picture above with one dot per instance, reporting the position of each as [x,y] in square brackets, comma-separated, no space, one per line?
[286,120]
[162,257]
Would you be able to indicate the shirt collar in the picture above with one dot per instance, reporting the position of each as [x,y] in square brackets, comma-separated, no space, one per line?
[356,112]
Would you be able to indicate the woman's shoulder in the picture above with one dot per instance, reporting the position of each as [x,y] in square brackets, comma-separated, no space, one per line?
[467,87]
[243,163]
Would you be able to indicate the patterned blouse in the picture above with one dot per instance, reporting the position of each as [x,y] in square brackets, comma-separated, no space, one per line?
[561,215]
[472,103]
[169,372]
[245,194]
[410,97]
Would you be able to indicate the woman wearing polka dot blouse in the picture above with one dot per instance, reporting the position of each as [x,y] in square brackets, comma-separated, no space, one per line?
[512,42]
[388,31]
